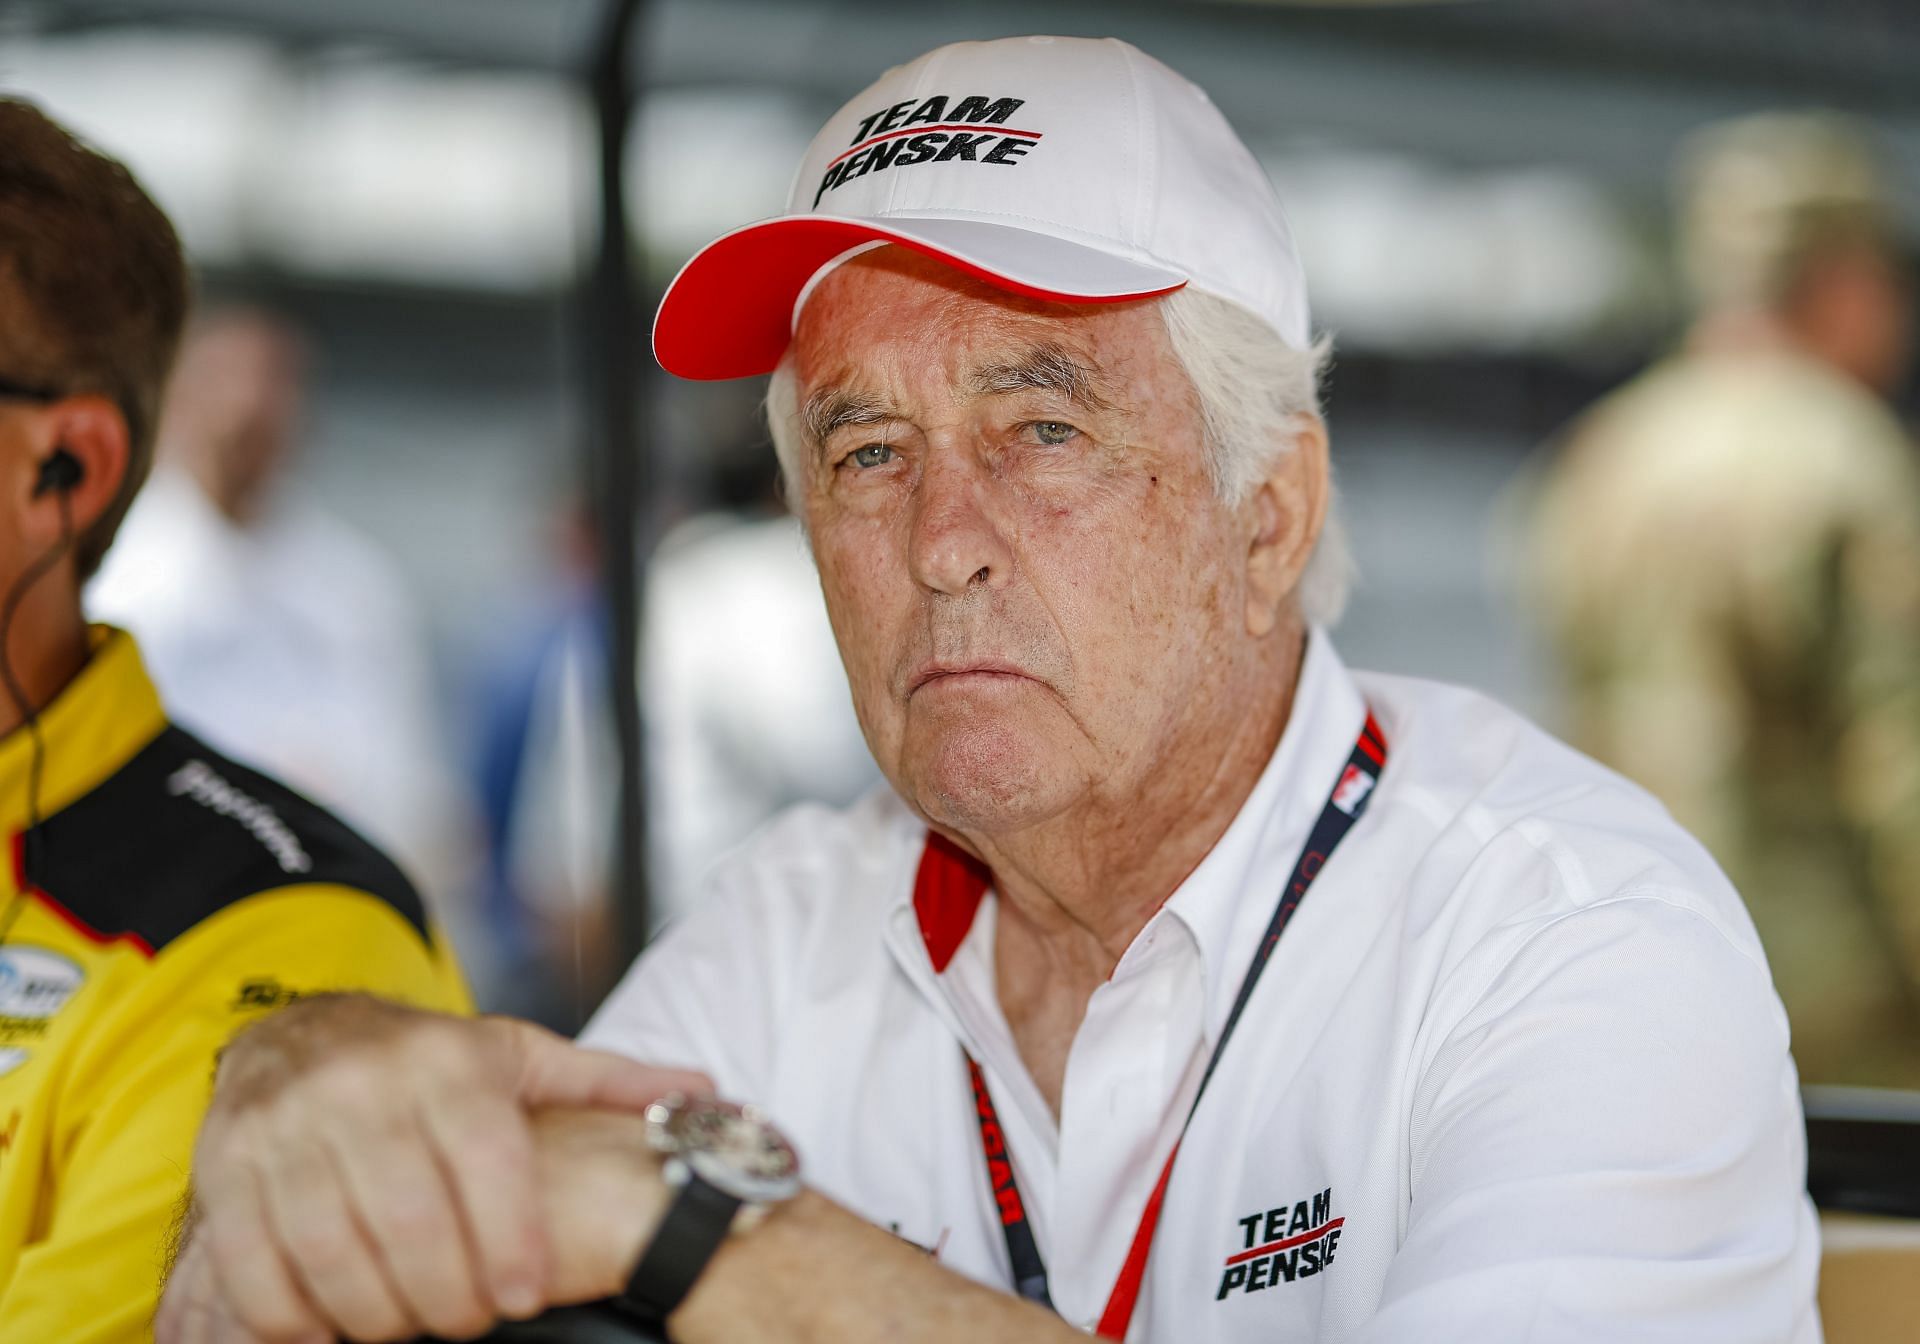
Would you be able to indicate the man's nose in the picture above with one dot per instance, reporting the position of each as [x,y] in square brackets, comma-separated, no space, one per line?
[957,542]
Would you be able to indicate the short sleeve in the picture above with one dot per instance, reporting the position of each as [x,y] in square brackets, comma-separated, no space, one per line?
[1609,1146]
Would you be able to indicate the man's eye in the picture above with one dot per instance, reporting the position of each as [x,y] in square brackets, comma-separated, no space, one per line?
[871,455]
[1052,432]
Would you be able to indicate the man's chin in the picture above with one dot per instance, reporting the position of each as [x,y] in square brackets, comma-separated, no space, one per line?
[988,779]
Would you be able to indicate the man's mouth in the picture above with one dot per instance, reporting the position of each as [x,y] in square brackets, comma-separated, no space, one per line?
[970,670]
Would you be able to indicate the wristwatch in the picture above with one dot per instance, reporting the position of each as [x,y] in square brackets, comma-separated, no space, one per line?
[729,1167]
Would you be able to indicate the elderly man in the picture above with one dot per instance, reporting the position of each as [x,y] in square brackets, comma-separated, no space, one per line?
[1184,985]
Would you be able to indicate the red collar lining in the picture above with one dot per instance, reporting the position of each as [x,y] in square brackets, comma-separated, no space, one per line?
[946,895]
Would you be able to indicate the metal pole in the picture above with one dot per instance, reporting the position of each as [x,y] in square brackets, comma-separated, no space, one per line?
[620,470]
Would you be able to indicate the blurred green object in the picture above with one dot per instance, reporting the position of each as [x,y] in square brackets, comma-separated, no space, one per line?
[1726,556]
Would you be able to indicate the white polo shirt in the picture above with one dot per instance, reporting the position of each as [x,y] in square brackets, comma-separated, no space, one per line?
[1515,1071]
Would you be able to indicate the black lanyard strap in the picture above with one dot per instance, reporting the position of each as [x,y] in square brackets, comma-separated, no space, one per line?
[1344,806]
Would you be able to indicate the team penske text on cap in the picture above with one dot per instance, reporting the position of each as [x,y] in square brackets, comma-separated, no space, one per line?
[1077,169]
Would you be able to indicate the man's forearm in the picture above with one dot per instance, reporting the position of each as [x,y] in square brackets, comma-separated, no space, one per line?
[810,1273]
[815,1274]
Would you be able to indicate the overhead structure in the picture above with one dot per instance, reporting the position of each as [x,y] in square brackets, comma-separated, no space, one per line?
[619,463]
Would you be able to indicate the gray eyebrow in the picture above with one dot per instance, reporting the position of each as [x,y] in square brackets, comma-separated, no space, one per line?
[1044,368]
[833,408]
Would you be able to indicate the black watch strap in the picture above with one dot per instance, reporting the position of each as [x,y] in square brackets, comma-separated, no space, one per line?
[697,1222]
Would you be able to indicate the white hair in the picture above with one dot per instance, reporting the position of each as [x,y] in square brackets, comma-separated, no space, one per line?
[1254,391]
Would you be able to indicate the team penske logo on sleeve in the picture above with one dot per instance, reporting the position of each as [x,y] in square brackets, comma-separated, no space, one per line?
[1280,1245]
[943,128]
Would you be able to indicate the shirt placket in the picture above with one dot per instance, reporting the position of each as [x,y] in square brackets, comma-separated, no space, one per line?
[1127,1076]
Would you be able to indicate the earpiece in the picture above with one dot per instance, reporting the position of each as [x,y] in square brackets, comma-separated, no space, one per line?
[59,473]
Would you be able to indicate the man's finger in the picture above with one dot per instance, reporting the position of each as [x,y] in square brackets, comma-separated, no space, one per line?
[486,1155]
[191,1310]
[337,1260]
[553,1071]
[412,1215]
[244,1265]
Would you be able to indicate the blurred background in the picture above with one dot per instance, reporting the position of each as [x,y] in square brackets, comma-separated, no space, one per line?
[406,434]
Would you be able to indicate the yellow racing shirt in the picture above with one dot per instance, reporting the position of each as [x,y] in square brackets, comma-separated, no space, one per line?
[168,898]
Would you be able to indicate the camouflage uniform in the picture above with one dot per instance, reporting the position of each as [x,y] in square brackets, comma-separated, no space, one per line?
[1727,554]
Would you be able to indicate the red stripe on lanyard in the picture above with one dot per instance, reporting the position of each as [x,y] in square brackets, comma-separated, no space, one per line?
[1133,1270]
[940,885]
[1373,743]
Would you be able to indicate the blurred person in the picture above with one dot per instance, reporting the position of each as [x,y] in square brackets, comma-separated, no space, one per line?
[545,773]
[747,714]
[748,708]
[274,627]
[1182,984]
[159,896]
[1726,555]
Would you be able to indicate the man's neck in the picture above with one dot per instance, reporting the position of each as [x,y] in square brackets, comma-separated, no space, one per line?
[46,649]
[1094,877]
[1075,892]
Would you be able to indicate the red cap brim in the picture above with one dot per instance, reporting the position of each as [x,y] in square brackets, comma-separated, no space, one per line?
[729,313]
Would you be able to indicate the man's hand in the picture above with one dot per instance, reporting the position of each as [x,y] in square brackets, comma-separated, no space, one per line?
[369,1170]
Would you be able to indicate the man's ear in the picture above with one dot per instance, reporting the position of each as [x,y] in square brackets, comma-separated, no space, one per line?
[92,429]
[1289,508]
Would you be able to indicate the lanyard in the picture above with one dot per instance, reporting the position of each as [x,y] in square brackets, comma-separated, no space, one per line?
[1344,806]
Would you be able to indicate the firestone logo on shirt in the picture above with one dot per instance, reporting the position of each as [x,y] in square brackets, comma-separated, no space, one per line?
[1280,1245]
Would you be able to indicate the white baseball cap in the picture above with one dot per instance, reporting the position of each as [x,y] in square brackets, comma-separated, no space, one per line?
[1067,168]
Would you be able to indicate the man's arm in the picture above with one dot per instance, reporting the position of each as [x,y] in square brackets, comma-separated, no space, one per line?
[809,1272]
[352,1142]
[1870,602]
[369,1170]
[135,1084]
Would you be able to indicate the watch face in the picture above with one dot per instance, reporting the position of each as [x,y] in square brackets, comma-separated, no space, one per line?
[732,1148]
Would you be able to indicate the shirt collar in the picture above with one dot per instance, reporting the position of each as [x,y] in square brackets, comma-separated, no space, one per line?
[1226,901]
[94,726]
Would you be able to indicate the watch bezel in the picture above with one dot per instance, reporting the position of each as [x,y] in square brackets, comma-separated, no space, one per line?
[669,1133]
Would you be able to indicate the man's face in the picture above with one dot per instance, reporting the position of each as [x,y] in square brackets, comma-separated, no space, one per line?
[1854,306]
[1039,597]
[233,408]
